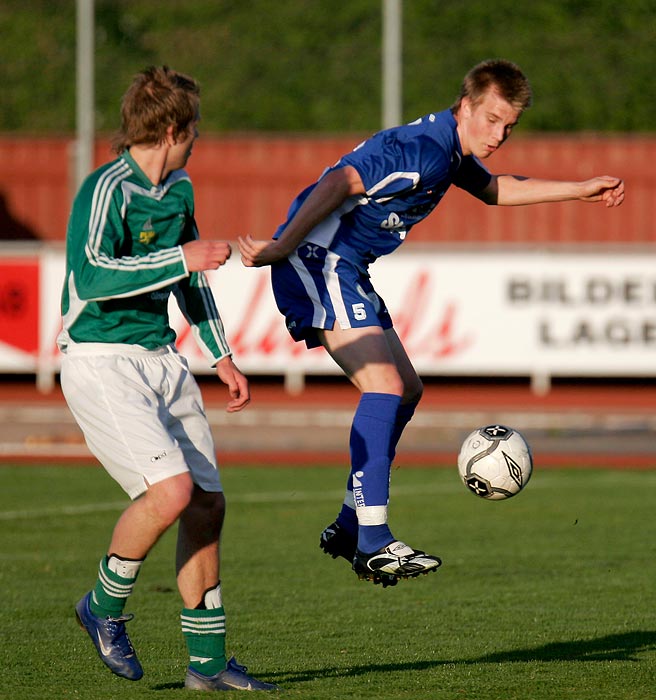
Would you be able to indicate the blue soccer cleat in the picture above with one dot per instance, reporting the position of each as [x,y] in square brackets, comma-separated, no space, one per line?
[234,677]
[111,640]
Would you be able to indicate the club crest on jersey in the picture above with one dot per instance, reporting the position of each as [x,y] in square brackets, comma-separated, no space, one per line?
[392,221]
[147,235]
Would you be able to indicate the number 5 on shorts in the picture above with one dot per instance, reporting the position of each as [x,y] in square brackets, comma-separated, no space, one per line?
[359,312]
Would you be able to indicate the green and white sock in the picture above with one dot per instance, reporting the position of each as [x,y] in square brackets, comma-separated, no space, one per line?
[204,632]
[116,579]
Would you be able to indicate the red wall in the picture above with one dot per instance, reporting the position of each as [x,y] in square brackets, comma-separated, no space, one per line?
[244,184]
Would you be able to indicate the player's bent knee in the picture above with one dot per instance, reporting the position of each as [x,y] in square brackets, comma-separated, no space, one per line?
[171,496]
[204,516]
[413,393]
[211,503]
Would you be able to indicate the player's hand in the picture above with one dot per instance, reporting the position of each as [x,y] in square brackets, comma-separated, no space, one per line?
[603,189]
[237,384]
[258,253]
[206,255]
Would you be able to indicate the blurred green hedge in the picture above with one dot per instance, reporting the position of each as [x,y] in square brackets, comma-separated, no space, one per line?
[315,65]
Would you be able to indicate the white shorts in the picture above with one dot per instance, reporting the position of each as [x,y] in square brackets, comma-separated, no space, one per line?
[141,413]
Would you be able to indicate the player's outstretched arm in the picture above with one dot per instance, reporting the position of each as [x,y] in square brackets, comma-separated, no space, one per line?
[328,194]
[206,255]
[603,189]
[258,253]
[514,190]
[237,384]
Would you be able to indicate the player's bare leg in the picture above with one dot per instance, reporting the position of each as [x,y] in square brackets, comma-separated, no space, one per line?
[365,357]
[376,363]
[138,529]
[197,555]
[203,617]
[148,517]
[197,569]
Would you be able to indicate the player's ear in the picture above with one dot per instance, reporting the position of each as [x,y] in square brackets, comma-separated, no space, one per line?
[169,137]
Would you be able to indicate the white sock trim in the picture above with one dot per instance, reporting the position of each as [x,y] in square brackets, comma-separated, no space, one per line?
[372,515]
[213,599]
[126,568]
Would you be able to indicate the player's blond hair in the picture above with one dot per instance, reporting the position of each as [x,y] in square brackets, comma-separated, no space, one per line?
[158,97]
[506,77]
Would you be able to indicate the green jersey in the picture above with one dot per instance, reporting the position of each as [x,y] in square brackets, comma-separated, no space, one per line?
[124,259]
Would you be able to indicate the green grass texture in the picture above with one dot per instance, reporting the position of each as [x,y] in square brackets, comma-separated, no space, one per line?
[548,595]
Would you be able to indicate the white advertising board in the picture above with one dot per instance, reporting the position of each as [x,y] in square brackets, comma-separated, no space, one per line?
[479,314]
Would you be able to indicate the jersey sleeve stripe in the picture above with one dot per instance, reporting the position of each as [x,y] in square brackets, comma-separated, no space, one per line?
[215,323]
[411,176]
[102,199]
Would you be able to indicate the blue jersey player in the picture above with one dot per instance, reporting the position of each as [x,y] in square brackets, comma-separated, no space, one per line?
[364,207]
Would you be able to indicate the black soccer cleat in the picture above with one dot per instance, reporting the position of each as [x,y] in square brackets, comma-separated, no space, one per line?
[395,561]
[337,542]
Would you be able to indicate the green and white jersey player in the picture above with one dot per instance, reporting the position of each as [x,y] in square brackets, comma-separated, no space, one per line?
[131,243]
[126,254]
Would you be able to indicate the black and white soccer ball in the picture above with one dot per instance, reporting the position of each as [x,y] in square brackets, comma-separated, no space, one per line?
[495,462]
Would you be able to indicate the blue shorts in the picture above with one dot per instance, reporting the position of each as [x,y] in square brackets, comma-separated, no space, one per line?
[314,288]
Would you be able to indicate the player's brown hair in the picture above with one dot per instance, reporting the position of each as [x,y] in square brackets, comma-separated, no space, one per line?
[158,97]
[504,76]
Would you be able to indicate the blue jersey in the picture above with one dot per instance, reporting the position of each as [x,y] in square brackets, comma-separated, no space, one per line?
[406,171]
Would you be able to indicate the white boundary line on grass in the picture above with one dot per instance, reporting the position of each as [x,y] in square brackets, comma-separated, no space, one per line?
[644,479]
[264,497]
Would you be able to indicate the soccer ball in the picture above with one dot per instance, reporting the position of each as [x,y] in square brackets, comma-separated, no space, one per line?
[495,462]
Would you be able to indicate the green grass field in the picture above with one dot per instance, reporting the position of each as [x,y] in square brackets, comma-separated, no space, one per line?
[546,596]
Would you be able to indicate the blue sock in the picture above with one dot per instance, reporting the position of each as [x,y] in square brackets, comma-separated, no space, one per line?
[347,517]
[403,417]
[370,444]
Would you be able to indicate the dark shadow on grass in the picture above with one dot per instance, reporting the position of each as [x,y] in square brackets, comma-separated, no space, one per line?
[169,686]
[614,647]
